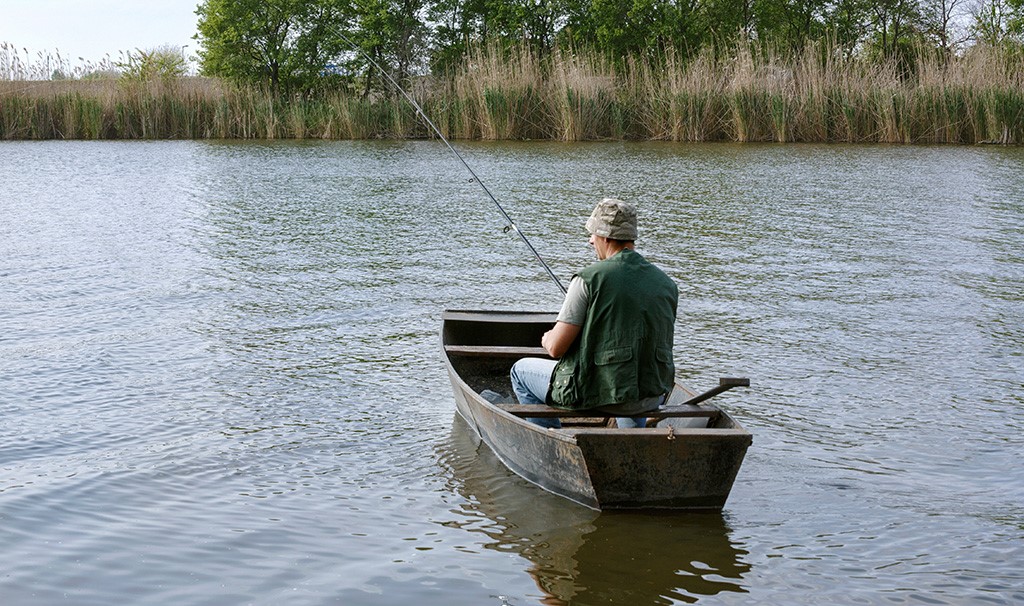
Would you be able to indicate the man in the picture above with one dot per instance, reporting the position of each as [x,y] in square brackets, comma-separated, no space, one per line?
[612,342]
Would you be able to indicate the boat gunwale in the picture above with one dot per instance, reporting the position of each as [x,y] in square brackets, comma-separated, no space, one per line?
[479,400]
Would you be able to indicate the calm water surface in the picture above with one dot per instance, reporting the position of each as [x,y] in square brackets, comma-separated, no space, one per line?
[220,379]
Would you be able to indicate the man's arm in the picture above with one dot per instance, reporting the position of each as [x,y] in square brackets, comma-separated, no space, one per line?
[557,340]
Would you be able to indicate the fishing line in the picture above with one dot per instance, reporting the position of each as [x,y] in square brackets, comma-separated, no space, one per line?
[511,225]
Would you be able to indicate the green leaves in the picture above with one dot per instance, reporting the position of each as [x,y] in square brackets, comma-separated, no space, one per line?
[285,45]
[163,63]
[294,46]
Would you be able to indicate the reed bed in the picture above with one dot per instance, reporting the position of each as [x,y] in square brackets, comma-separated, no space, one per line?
[748,95]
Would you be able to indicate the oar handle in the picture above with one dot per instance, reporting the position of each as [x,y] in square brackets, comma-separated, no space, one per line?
[724,384]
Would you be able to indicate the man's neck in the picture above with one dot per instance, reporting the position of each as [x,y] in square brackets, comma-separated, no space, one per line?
[617,246]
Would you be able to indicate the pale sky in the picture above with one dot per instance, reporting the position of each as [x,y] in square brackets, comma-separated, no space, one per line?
[93,29]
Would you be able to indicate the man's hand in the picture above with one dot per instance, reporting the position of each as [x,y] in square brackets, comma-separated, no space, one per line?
[557,340]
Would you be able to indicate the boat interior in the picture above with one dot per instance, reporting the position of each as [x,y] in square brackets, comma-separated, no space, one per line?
[482,354]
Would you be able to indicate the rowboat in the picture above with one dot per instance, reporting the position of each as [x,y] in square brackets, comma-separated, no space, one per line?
[686,458]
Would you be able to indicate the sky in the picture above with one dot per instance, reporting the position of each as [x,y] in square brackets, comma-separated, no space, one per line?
[93,29]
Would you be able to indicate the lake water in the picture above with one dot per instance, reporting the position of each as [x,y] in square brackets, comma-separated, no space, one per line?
[220,378]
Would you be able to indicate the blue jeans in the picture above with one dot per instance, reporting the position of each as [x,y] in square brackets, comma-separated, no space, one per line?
[530,380]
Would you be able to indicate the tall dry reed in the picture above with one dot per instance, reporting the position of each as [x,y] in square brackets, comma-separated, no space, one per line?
[497,94]
[582,97]
[818,94]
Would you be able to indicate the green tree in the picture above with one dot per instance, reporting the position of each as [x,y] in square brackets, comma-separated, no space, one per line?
[284,44]
[846,23]
[462,24]
[1016,24]
[726,20]
[392,34]
[456,28]
[998,22]
[896,25]
[942,24]
[635,26]
[161,63]
[789,23]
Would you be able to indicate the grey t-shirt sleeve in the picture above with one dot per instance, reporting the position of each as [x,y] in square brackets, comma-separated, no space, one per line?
[574,308]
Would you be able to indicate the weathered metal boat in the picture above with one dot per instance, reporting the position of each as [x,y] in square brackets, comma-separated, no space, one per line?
[686,458]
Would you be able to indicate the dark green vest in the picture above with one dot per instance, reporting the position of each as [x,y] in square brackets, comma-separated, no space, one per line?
[624,350]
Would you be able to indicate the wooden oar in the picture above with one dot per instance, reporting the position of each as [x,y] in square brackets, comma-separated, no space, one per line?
[724,384]
[683,409]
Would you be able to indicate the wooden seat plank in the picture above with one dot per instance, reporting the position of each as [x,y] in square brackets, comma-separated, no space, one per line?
[530,410]
[506,351]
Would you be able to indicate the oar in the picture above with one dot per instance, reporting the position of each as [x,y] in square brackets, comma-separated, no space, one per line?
[724,384]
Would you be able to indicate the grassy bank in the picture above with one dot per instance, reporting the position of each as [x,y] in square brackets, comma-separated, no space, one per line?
[816,96]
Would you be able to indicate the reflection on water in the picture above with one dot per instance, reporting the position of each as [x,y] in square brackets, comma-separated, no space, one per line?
[579,556]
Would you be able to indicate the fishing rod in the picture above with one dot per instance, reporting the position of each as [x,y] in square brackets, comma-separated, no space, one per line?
[511,225]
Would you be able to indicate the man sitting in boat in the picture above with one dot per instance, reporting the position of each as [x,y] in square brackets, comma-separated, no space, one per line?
[612,341]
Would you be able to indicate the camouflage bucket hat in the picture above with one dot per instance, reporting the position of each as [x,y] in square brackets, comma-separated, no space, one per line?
[613,219]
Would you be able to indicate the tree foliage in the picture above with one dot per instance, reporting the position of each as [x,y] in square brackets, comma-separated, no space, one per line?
[292,45]
[998,22]
[161,63]
[638,26]
[284,44]
[392,34]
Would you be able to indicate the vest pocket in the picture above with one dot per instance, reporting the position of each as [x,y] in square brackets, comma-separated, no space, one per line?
[616,374]
[564,387]
[614,355]
[665,371]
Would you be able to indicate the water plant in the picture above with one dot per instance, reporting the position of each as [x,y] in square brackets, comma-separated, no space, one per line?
[752,94]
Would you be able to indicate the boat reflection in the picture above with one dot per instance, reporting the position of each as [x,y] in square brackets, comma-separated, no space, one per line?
[580,556]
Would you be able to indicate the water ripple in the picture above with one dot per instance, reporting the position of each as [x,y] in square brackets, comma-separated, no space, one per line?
[219,373]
